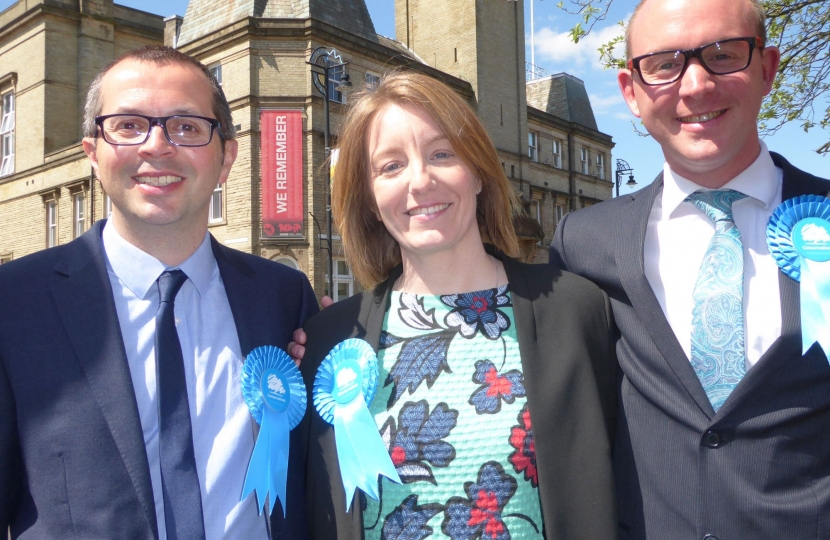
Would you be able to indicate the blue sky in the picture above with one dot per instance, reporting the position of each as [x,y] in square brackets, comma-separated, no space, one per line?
[555,52]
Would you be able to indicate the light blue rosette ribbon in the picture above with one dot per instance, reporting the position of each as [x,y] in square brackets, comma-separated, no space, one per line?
[276,396]
[798,236]
[343,390]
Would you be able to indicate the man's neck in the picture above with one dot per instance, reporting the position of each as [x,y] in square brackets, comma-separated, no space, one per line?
[716,177]
[169,244]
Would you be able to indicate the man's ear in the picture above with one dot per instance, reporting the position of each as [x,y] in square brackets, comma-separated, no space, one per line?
[770,58]
[91,150]
[228,157]
[625,78]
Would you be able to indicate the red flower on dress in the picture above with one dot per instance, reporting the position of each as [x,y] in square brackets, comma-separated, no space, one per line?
[498,385]
[495,387]
[521,438]
[487,511]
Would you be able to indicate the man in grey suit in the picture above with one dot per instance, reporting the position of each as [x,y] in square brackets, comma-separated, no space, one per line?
[725,425]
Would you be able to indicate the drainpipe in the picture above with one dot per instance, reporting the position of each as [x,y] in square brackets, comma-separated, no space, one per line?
[571,173]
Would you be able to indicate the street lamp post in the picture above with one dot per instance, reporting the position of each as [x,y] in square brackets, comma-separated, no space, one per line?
[323,64]
[622,168]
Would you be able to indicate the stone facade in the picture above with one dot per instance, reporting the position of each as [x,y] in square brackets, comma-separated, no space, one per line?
[50,50]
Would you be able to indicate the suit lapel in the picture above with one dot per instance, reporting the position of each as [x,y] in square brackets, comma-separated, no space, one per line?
[788,346]
[83,295]
[247,309]
[246,306]
[375,305]
[630,246]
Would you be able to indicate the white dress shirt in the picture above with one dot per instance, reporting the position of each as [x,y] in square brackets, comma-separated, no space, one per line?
[223,437]
[678,236]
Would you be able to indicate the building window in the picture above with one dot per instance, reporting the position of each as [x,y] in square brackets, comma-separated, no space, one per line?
[7,257]
[559,212]
[583,156]
[7,134]
[78,221]
[601,166]
[532,145]
[343,280]
[215,213]
[335,76]
[287,261]
[372,80]
[557,154]
[216,71]
[107,206]
[51,223]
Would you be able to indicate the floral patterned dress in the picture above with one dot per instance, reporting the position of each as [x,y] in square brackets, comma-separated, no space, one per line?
[453,414]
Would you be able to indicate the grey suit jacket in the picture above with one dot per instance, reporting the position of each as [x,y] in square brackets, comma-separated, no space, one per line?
[760,467]
[72,457]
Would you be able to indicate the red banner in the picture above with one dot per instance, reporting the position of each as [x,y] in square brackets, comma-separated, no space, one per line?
[281,160]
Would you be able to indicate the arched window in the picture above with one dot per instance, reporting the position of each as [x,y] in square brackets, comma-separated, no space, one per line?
[287,261]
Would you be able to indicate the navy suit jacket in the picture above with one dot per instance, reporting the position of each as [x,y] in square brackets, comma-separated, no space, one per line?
[757,469]
[72,456]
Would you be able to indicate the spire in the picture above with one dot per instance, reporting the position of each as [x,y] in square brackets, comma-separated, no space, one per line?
[562,95]
[206,16]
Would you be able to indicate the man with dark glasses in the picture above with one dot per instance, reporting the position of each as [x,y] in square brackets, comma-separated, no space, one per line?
[724,422]
[121,353]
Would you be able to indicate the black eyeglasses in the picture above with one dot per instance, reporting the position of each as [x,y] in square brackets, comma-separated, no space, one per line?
[718,58]
[133,129]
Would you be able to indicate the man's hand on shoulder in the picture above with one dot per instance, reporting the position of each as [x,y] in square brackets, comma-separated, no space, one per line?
[296,349]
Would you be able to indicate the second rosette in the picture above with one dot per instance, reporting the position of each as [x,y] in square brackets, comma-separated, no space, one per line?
[343,390]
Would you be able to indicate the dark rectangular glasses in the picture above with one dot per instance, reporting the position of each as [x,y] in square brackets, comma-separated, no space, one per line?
[133,129]
[719,58]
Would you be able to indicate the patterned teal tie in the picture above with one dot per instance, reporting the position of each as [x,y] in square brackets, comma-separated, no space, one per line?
[718,352]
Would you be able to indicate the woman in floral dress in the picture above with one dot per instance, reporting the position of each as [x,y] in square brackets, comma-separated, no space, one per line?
[496,398]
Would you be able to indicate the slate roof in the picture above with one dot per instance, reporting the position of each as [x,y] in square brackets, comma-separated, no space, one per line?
[205,16]
[562,95]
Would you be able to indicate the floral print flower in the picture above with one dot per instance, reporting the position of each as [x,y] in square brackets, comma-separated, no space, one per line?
[480,514]
[495,387]
[524,458]
[416,444]
[478,312]
[409,520]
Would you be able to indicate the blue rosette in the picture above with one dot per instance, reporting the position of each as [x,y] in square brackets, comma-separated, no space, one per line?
[798,236]
[344,387]
[274,391]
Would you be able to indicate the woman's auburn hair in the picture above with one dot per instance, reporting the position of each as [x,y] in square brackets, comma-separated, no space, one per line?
[370,249]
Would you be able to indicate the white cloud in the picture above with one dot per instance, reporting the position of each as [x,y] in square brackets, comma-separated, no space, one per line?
[606,104]
[557,52]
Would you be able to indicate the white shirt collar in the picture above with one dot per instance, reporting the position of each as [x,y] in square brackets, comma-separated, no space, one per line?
[139,270]
[758,181]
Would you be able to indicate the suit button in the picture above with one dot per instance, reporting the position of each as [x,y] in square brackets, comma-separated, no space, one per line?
[710,536]
[712,440]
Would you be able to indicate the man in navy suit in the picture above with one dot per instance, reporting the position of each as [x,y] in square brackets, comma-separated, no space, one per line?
[724,423]
[84,451]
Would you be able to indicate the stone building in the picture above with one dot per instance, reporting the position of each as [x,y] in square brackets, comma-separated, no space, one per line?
[544,130]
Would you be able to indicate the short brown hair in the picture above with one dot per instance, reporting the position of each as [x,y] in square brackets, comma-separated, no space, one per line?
[161,55]
[370,249]
[758,14]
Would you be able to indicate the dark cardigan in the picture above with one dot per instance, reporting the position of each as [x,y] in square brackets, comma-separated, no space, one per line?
[564,330]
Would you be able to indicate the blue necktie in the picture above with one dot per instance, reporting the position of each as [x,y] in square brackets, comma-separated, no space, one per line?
[179,481]
[718,350]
